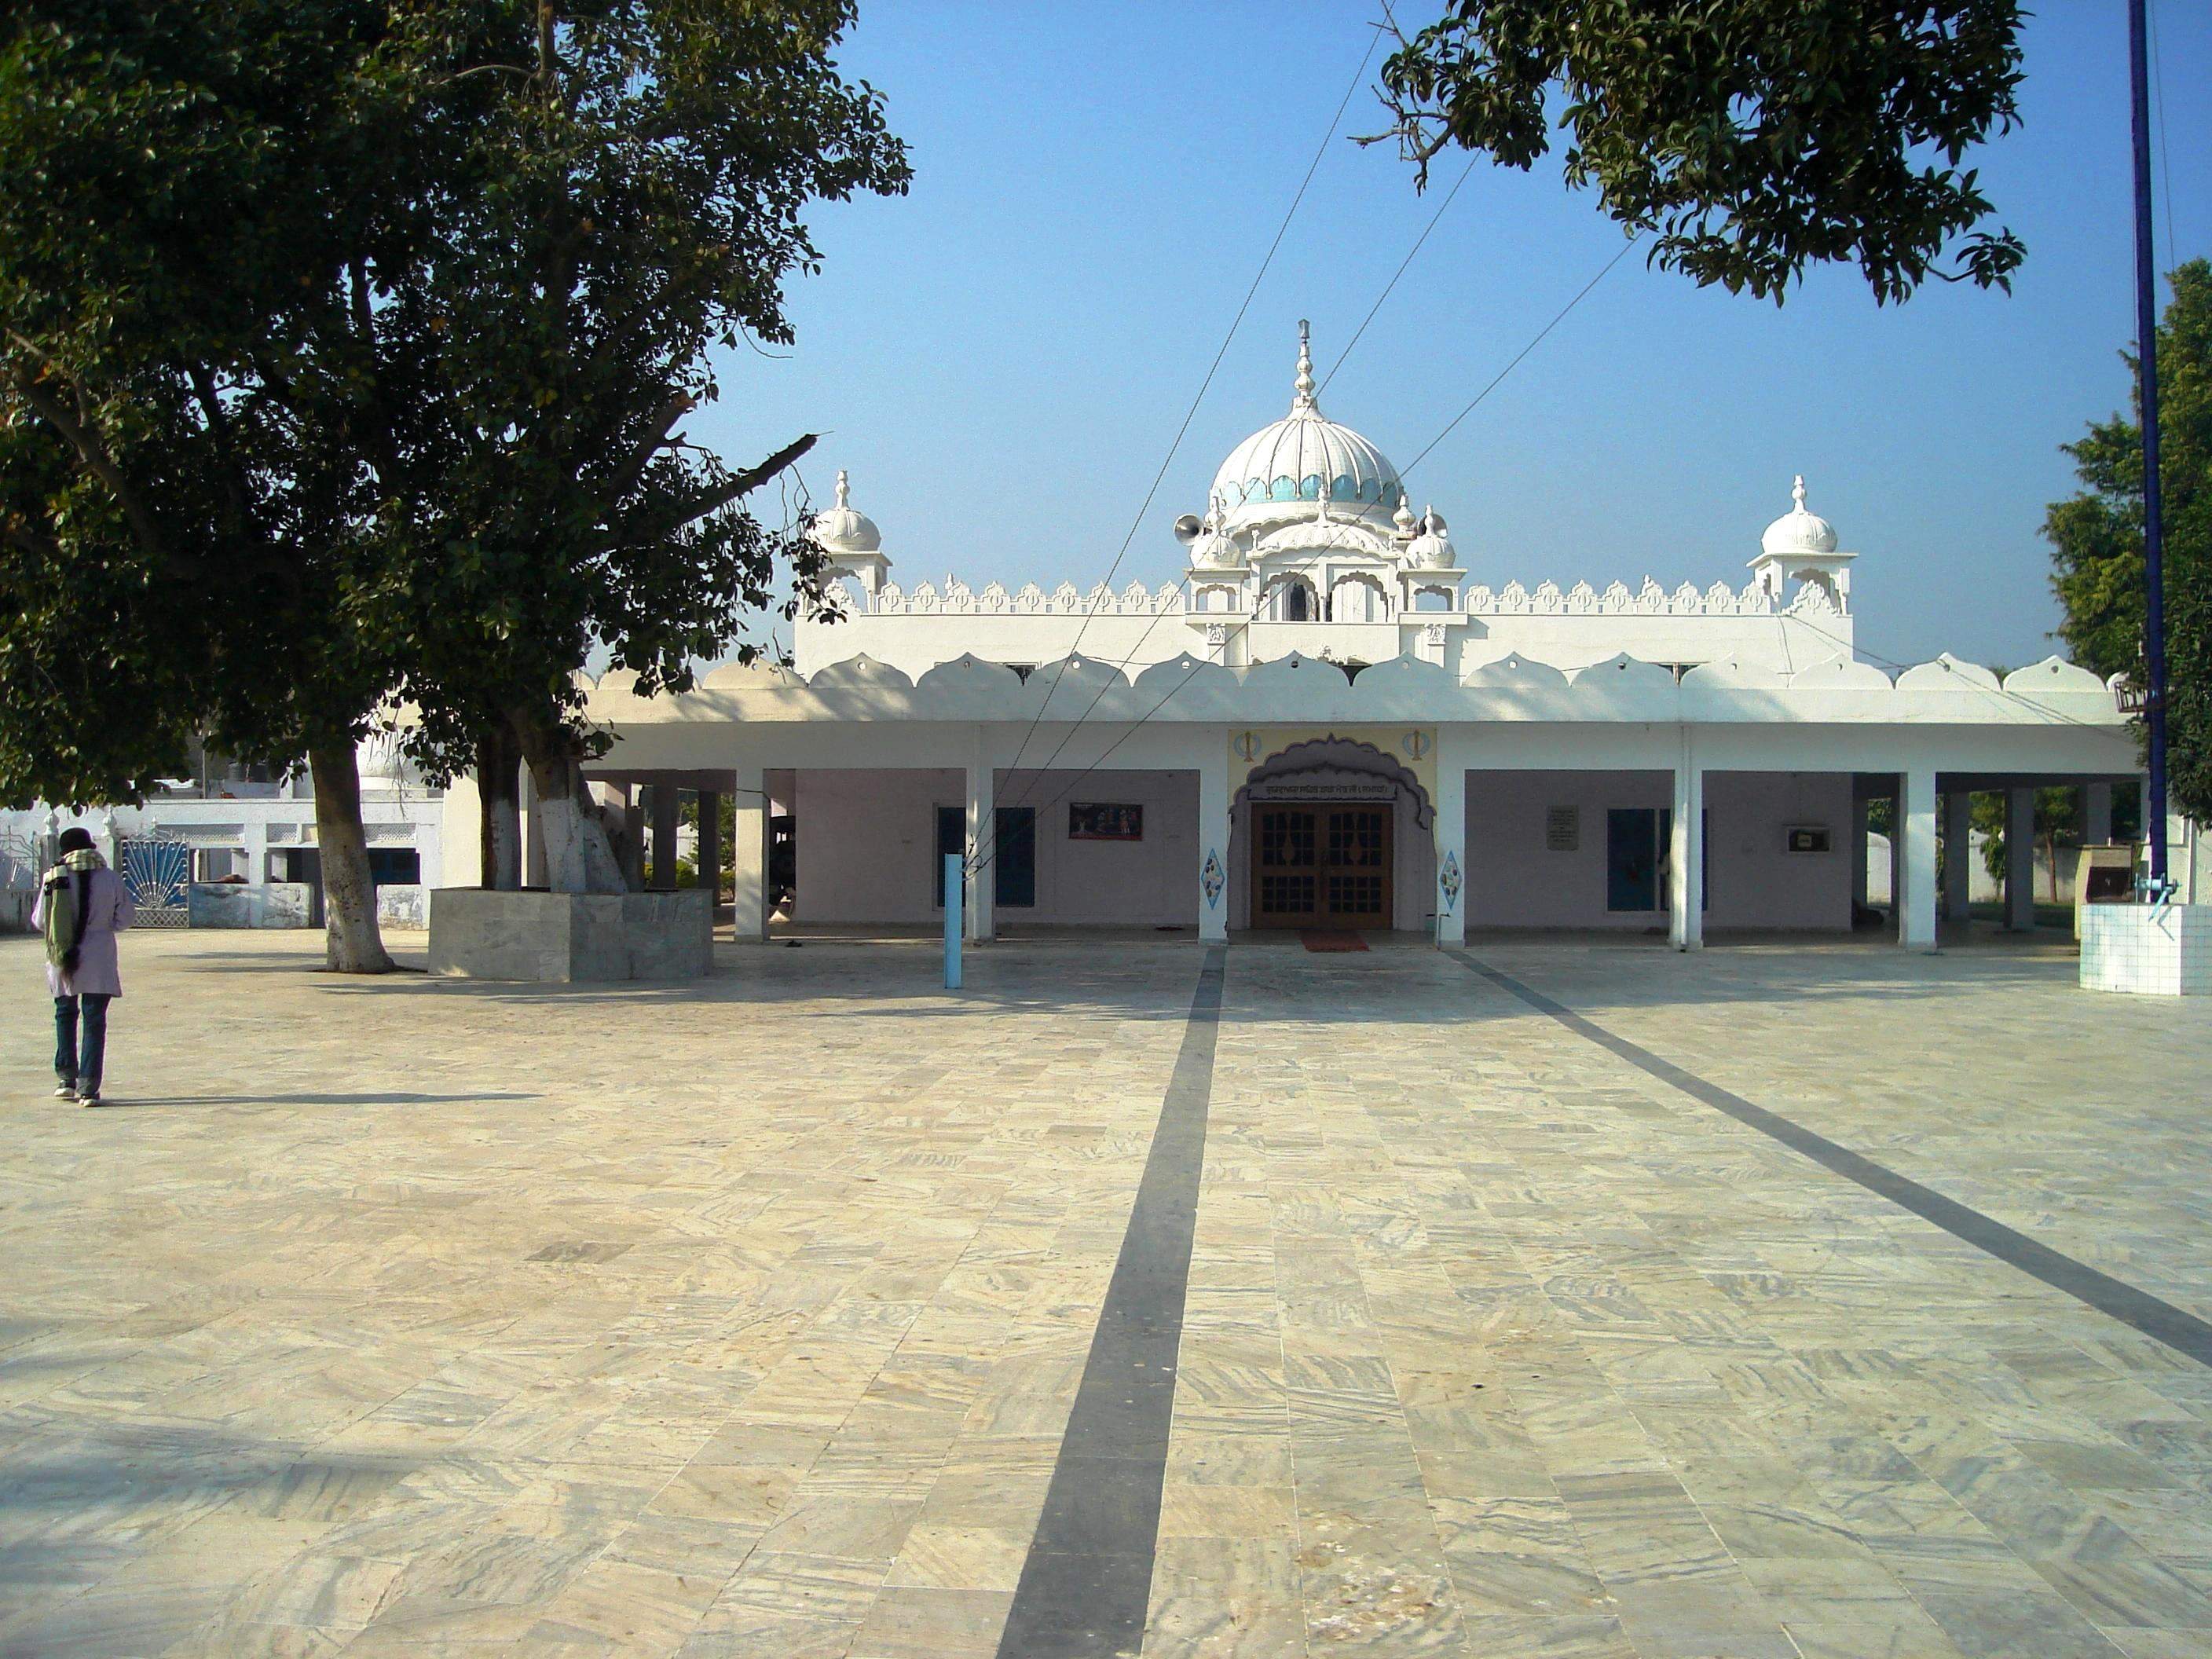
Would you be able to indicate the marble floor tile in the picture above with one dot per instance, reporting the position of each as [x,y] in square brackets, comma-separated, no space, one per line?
[1493,1344]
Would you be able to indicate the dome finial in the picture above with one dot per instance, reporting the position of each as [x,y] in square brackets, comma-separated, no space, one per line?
[1797,492]
[1303,403]
[844,490]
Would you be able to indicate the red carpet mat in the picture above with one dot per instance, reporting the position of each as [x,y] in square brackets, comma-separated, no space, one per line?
[1331,939]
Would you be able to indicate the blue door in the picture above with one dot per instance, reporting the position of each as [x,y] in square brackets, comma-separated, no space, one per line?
[1638,842]
[1013,862]
[1631,859]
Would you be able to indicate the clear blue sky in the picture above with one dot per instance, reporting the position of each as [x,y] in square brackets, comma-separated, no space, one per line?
[1002,357]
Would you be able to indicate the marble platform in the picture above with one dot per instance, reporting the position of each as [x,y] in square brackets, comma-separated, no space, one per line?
[744,1316]
[557,937]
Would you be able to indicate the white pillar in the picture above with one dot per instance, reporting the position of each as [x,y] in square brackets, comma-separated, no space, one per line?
[257,852]
[748,854]
[983,848]
[1212,850]
[710,843]
[633,841]
[1912,856]
[1859,853]
[2096,814]
[1957,854]
[1686,886]
[1896,849]
[1450,896]
[533,834]
[2019,859]
[667,816]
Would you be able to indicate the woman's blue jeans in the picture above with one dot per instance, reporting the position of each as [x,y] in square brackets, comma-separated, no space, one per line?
[76,1064]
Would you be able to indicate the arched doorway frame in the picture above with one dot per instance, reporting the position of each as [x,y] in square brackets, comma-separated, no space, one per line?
[1415,876]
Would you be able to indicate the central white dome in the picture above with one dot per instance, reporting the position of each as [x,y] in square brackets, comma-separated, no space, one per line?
[1305,456]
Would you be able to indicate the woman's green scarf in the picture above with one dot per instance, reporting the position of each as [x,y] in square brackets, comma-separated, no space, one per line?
[67,901]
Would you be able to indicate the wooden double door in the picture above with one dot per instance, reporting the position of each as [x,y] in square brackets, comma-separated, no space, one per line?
[1322,866]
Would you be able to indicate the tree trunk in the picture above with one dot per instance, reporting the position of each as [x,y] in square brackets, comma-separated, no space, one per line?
[352,942]
[578,857]
[499,787]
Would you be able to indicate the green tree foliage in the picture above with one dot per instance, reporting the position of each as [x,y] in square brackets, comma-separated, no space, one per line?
[195,202]
[347,348]
[635,200]
[2097,539]
[1749,137]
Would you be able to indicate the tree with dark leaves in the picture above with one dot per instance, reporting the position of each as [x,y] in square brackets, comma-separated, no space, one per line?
[1749,138]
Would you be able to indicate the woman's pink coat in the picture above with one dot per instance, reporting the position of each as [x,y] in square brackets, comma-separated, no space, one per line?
[97,973]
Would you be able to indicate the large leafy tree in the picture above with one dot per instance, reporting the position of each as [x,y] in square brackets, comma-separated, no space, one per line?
[347,347]
[1749,138]
[199,204]
[637,200]
[2097,539]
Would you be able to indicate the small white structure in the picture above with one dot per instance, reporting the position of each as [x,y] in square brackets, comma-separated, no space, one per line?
[2148,949]
[1336,716]
[240,851]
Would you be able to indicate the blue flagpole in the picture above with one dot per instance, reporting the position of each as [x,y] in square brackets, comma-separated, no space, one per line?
[2147,385]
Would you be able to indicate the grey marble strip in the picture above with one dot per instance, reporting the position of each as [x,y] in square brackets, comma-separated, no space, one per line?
[1087,1580]
[2177,1327]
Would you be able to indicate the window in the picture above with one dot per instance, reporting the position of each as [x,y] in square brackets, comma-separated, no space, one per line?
[395,866]
[1297,603]
[1013,858]
[217,864]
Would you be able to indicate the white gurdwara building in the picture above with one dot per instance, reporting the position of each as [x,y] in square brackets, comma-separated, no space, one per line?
[1335,718]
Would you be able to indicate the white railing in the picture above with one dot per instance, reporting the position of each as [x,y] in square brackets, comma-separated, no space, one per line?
[955,597]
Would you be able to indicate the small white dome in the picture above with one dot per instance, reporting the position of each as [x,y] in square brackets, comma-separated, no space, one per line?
[843,529]
[1305,456]
[1431,549]
[1798,530]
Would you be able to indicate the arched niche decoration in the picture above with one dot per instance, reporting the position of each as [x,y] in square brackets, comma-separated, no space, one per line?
[1291,597]
[1358,596]
[1335,754]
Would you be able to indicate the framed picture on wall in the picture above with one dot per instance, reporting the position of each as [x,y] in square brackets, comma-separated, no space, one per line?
[1091,820]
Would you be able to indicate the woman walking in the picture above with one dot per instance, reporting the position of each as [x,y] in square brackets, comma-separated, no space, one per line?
[81,904]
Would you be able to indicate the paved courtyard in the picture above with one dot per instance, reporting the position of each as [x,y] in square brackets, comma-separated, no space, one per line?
[780,1314]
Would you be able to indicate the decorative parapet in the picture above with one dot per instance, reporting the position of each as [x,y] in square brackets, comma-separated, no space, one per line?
[1617,600]
[2052,694]
[956,599]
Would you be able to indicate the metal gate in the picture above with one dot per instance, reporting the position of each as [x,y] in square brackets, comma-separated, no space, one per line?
[157,872]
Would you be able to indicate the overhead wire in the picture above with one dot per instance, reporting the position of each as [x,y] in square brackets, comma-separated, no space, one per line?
[1212,368]
[2165,154]
[979,858]
[1581,294]
[1396,274]
[986,852]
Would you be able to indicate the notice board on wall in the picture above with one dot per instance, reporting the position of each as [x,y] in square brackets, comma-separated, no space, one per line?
[1093,820]
[1563,829]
